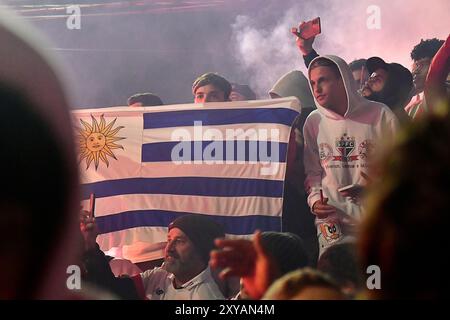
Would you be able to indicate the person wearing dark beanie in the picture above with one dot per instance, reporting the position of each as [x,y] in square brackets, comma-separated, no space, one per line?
[211,87]
[185,273]
[286,249]
[201,230]
[259,262]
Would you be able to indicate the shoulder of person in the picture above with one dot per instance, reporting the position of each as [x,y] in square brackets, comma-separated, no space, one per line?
[155,272]
[313,117]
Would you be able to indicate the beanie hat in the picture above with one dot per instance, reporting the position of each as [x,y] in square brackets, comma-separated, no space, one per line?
[214,79]
[286,249]
[201,230]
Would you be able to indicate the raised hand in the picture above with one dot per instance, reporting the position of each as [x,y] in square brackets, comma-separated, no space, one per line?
[248,260]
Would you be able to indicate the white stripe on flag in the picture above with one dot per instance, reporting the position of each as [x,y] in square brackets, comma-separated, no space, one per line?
[222,206]
[250,132]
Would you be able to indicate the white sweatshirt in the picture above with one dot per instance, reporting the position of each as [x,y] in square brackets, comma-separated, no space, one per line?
[337,148]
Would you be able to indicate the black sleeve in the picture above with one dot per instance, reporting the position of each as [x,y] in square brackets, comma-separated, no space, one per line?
[310,57]
[98,272]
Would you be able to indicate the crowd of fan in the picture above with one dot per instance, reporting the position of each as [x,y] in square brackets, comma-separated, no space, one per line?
[337,220]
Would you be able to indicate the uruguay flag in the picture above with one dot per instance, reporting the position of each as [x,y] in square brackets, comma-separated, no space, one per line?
[150,165]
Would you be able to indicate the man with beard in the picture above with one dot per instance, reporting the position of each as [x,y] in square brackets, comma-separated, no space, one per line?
[185,274]
[390,84]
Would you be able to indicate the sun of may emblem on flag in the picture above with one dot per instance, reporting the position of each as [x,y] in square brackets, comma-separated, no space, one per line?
[97,140]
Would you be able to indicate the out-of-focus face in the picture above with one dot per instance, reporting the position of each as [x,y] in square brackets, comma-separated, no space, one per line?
[209,93]
[375,83]
[327,88]
[419,71]
[181,256]
[136,104]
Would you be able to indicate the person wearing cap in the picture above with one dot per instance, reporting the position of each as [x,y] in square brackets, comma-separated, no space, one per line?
[144,99]
[184,275]
[388,83]
[211,87]
[297,217]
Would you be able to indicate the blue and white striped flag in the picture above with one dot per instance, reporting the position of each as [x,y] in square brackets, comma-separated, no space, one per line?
[150,165]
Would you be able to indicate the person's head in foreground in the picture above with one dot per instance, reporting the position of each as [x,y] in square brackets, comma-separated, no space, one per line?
[211,87]
[287,252]
[39,204]
[304,284]
[189,242]
[259,261]
[341,263]
[404,233]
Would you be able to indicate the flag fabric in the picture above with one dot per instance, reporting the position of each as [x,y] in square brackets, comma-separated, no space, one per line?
[147,166]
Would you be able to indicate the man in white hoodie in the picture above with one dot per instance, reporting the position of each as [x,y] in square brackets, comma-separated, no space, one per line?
[339,137]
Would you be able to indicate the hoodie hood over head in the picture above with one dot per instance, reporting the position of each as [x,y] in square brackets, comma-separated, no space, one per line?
[355,101]
[294,83]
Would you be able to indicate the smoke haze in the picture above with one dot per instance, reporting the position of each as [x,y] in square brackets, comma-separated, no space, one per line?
[125,47]
[266,53]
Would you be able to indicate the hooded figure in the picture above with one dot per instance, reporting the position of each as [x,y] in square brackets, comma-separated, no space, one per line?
[40,199]
[296,214]
[294,83]
[338,149]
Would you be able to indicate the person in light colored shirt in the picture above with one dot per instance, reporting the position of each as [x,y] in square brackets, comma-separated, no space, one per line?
[185,274]
[161,285]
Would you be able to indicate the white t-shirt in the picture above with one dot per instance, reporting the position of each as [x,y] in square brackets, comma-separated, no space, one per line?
[158,285]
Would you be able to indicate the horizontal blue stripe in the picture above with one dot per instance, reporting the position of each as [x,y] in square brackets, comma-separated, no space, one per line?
[186,118]
[217,150]
[156,218]
[198,186]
